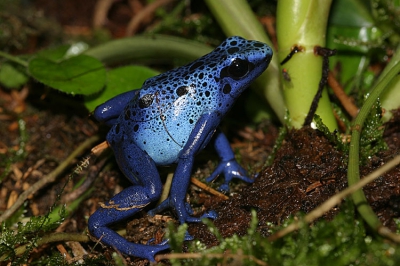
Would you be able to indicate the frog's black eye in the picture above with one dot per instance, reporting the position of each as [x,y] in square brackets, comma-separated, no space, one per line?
[146,100]
[238,68]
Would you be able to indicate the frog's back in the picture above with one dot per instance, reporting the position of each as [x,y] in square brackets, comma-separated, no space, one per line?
[162,115]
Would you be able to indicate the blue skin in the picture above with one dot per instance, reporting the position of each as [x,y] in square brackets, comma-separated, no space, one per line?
[168,121]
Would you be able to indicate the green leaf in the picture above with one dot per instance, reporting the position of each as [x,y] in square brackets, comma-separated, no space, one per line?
[55,54]
[81,74]
[12,77]
[120,80]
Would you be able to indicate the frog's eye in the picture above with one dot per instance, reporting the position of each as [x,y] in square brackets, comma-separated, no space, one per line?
[238,68]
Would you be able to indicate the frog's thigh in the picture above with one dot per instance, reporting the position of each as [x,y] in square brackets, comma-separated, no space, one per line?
[141,170]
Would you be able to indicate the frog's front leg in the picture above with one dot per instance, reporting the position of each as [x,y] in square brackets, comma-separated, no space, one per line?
[228,165]
[141,170]
[109,111]
[199,137]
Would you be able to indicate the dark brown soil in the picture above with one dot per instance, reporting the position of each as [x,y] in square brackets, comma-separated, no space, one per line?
[307,171]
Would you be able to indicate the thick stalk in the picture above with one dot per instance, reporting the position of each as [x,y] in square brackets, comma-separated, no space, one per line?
[303,24]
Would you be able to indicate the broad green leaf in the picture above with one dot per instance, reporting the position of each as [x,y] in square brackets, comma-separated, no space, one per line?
[11,77]
[81,74]
[55,54]
[120,80]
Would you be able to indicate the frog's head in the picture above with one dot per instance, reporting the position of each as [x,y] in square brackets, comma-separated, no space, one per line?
[241,62]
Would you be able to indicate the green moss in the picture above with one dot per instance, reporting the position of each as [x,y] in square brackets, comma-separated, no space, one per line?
[342,241]
[371,141]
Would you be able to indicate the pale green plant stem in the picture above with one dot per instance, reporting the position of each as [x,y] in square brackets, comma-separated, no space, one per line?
[303,24]
[14,59]
[148,47]
[353,173]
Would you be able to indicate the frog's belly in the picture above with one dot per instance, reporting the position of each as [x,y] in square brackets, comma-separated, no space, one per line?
[158,146]
[163,145]
[164,136]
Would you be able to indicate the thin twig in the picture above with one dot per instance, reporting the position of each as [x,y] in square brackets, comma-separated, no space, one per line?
[208,189]
[134,24]
[166,188]
[336,199]
[49,178]
[50,238]
[87,183]
[101,9]
[345,100]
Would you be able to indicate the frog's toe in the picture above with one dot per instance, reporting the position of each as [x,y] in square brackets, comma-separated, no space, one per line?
[244,178]
[224,188]
[188,208]
[163,243]
[188,237]
[211,214]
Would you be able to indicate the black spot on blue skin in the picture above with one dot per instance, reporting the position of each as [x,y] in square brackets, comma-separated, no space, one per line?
[201,75]
[136,128]
[191,121]
[127,114]
[196,65]
[258,44]
[234,43]
[233,50]
[198,103]
[207,93]
[182,90]
[146,100]
[227,89]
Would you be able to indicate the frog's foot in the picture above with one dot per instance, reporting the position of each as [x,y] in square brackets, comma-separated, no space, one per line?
[98,223]
[230,169]
[184,214]
[151,241]
[166,204]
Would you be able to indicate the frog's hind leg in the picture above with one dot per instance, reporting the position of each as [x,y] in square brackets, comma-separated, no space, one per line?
[141,170]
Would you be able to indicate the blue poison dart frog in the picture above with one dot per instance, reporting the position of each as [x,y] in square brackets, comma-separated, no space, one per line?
[168,121]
